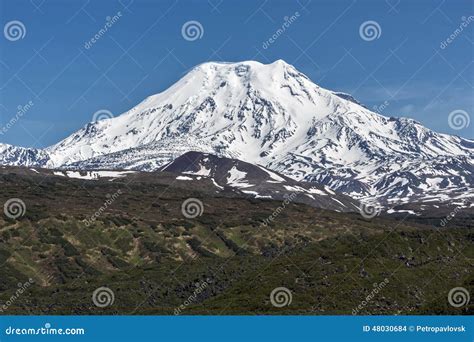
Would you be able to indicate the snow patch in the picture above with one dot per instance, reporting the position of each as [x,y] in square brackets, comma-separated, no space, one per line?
[236,178]
[92,175]
[183,178]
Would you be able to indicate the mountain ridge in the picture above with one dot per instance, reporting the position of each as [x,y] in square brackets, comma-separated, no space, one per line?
[275,116]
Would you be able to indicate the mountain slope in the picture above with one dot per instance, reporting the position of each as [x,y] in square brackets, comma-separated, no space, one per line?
[274,116]
[257,181]
[128,232]
[22,156]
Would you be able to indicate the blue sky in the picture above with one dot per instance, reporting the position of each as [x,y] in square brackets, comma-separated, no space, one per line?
[404,71]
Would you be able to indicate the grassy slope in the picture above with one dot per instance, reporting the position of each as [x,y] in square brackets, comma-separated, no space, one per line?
[152,257]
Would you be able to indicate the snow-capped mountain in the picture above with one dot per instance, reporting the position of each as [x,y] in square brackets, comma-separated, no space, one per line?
[22,156]
[275,116]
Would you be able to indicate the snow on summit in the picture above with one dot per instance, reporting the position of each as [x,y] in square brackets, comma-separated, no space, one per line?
[275,116]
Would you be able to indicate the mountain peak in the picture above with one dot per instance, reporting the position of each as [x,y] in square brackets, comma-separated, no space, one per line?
[258,64]
[275,116]
[243,68]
